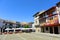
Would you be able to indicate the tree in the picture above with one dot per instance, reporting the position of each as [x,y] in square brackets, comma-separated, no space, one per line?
[26,26]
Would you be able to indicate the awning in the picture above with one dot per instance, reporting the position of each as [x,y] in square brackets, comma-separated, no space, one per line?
[8,29]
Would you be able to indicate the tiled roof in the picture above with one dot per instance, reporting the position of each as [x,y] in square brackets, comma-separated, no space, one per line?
[38,13]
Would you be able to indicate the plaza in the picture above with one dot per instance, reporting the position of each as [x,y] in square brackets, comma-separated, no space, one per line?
[30,36]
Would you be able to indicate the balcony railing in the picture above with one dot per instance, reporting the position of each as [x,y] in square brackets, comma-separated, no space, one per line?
[51,22]
[47,16]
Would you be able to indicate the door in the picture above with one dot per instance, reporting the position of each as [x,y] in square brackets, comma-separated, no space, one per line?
[42,29]
[51,30]
[56,30]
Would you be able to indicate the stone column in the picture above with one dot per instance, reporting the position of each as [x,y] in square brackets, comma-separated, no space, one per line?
[7,30]
[14,30]
[53,29]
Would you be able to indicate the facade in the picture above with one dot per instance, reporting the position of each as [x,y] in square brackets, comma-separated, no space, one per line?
[49,20]
[1,24]
[30,24]
[4,24]
[36,21]
[7,26]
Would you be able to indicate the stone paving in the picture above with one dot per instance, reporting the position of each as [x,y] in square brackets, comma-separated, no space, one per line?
[28,36]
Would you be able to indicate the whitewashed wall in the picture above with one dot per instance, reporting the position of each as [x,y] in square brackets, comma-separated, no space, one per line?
[36,19]
[58,12]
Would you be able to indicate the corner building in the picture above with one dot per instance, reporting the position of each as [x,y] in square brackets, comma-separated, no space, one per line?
[49,20]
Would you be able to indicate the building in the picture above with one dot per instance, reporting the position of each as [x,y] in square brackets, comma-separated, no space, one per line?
[4,24]
[49,20]
[23,24]
[30,24]
[1,24]
[36,21]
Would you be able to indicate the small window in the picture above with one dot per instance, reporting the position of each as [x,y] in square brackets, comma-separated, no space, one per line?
[46,16]
[36,22]
[54,12]
[50,18]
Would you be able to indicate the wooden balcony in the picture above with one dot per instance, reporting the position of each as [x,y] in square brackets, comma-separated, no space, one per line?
[47,16]
[52,22]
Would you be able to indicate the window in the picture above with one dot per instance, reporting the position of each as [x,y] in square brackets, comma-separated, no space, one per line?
[54,12]
[59,8]
[50,18]
[43,14]
[36,22]
[46,16]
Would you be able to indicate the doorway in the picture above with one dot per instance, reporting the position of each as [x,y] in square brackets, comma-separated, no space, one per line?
[42,29]
[51,30]
[56,30]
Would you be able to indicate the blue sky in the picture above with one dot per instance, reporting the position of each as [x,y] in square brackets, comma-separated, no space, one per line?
[23,10]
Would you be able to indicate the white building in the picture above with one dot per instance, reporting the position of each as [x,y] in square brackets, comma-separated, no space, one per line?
[36,21]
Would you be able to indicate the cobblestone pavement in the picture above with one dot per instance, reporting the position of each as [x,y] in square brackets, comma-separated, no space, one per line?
[28,36]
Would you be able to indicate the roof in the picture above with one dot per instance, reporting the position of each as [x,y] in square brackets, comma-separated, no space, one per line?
[41,12]
[35,14]
[23,23]
[52,8]
[8,21]
[38,13]
[58,3]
